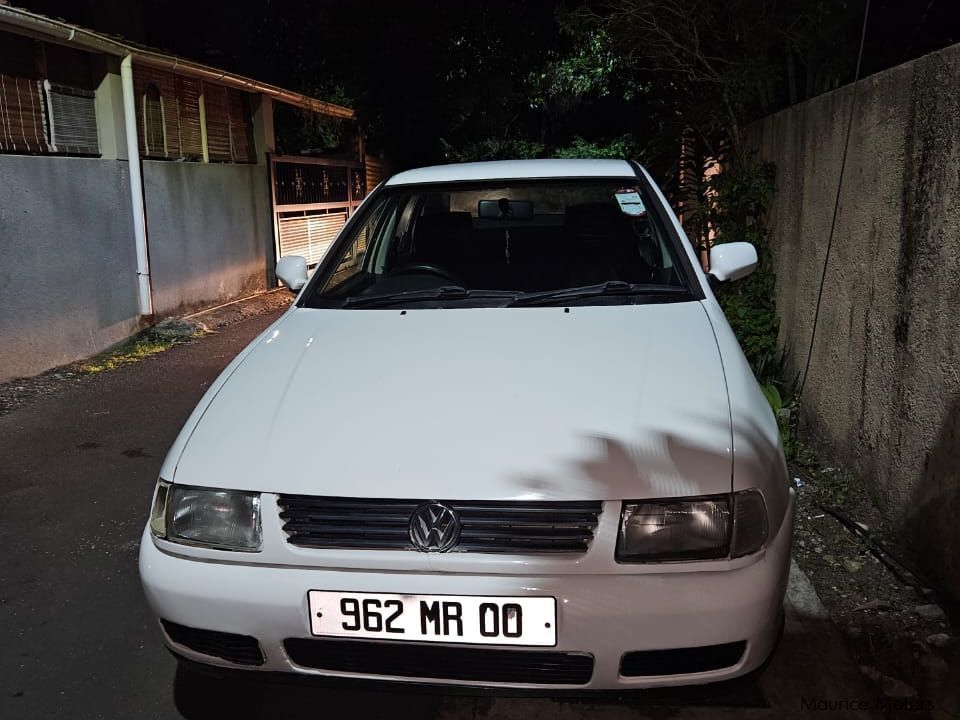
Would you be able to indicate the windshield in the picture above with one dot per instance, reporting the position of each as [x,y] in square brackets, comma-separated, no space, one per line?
[503,243]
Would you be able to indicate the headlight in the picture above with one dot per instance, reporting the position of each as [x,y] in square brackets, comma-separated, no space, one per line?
[225,519]
[704,528]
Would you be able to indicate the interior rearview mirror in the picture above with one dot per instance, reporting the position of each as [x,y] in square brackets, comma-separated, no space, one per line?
[732,261]
[292,272]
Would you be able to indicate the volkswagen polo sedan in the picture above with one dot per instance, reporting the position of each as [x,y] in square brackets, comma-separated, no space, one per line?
[504,437]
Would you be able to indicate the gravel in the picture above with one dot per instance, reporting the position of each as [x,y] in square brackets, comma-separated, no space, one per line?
[897,634]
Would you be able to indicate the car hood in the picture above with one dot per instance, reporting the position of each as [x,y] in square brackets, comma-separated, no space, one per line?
[598,403]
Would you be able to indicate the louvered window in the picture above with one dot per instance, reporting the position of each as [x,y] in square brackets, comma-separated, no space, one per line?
[168,114]
[172,111]
[154,132]
[158,125]
[73,120]
[22,116]
[47,98]
[229,127]
[218,123]
[188,118]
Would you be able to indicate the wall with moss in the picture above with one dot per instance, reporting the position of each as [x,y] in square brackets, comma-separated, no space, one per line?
[883,392]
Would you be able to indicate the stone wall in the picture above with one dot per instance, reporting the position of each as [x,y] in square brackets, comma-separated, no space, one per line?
[883,392]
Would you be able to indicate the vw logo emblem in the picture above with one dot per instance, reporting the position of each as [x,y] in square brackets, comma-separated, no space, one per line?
[434,528]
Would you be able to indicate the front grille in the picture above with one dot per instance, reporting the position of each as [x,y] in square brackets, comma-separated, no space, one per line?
[681,661]
[526,667]
[240,649]
[487,526]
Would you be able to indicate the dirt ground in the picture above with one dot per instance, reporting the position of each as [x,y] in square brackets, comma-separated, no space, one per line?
[898,633]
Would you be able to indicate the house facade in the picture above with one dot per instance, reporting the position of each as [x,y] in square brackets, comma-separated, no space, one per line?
[136,185]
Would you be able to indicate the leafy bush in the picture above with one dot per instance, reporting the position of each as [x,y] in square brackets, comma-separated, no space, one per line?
[734,209]
[621,148]
[751,310]
[732,205]
[494,148]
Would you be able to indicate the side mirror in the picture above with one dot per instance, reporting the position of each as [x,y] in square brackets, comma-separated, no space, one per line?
[292,272]
[732,261]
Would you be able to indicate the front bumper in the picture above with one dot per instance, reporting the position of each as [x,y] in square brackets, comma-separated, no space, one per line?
[604,615]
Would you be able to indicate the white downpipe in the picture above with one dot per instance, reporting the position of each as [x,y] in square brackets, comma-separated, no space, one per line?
[136,187]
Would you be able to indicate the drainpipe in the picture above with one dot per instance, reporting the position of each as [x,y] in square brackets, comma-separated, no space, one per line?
[145,298]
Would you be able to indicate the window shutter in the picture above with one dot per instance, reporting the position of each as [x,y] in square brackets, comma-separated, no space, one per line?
[241,127]
[188,116]
[73,120]
[153,135]
[229,127]
[22,116]
[216,110]
[157,115]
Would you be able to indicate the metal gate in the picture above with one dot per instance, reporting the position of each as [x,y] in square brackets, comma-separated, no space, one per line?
[312,199]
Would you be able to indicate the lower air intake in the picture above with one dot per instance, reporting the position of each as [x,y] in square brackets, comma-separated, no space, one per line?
[239,649]
[681,661]
[527,667]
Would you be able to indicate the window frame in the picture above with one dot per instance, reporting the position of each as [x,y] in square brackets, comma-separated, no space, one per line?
[327,267]
[163,121]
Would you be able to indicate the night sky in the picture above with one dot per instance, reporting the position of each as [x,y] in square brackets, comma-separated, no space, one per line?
[427,74]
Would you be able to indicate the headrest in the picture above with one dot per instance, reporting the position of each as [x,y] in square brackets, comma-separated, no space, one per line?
[601,216]
[440,231]
[595,219]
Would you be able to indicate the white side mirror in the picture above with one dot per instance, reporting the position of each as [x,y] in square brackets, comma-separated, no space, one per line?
[732,261]
[292,272]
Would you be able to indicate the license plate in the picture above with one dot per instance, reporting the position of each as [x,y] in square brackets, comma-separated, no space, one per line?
[435,618]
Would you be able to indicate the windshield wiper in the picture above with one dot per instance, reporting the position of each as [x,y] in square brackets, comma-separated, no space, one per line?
[447,292]
[611,287]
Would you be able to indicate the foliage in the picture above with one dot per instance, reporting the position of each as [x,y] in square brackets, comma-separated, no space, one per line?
[494,148]
[732,206]
[750,307]
[721,64]
[301,130]
[136,351]
[729,206]
[783,411]
[624,146]
[588,68]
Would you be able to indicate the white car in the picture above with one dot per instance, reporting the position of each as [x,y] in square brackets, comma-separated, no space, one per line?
[503,438]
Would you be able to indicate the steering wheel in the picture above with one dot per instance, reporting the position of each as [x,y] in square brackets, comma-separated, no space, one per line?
[427,269]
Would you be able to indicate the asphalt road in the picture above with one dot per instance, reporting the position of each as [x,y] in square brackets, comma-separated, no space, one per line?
[77,469]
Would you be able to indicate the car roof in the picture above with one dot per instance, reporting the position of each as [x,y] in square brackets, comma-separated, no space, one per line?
[514,170]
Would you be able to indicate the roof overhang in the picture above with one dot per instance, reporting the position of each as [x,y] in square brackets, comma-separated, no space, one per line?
[74,35]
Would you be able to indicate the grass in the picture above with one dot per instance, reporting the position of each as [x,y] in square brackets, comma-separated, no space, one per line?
[145,345]
[135,352]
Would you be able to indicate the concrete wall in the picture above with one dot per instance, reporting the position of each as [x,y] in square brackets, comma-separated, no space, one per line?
[68,284]
[883,393]
[209,232]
